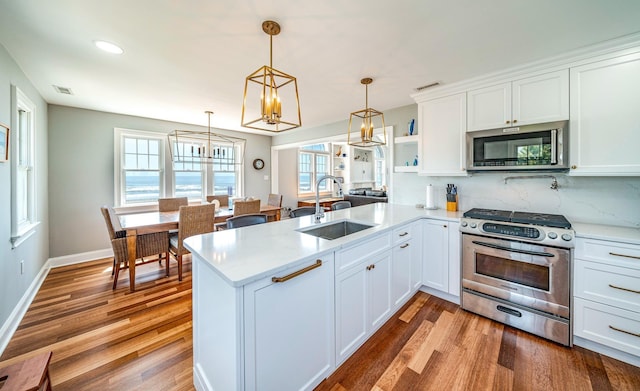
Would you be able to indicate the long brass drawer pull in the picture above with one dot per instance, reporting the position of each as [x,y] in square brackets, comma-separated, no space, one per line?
[405,245]
[624,331]
[297,273]
[404,234]
[624,255]
[624,289]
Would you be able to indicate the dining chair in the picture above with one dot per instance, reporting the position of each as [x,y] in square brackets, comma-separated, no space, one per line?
[193,220]
[246,220]
[172,204]
[148,245]
[246,207]
[222,199]
[275,200]
[340,205]
[303,211]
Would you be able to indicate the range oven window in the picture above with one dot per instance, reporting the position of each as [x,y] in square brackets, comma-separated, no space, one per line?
[530,149]
[522,273]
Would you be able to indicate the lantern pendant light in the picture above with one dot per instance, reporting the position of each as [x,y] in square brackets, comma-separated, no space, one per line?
[270,100]
[369,120]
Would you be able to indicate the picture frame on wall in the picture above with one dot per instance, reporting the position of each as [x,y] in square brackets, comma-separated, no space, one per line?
[4,142]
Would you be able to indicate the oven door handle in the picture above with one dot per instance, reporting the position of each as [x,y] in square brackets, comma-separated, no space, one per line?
[515,250]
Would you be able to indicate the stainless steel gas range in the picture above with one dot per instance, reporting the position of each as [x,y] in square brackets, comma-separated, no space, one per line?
[516,269]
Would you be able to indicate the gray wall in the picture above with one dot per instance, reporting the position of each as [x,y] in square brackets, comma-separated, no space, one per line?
[599,200]
[81,165]
[35,250]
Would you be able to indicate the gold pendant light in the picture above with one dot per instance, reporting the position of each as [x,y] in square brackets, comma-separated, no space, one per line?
[271,99]
[369,120]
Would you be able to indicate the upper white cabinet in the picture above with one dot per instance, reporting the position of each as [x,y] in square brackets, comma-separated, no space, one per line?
[361,167]
[536,99]
[442,126]
[605,125]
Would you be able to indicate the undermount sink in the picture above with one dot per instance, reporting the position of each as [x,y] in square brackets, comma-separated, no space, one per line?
[335,230]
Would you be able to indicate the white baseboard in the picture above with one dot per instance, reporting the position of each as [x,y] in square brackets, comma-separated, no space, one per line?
[607,351]
[443,295]
[80,258]
[13,321]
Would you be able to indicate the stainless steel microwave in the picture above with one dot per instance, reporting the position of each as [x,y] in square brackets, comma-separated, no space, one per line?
[539,147]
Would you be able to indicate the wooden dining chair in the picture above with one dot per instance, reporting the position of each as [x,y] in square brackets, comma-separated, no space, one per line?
[222,199]
[303,211]
[340,205]
[149,247]
[275,200]
[172,204]
[246,207]
[193,220]
[246,220]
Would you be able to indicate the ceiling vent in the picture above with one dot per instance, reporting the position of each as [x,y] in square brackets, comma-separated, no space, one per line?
[418,89]
[63,90]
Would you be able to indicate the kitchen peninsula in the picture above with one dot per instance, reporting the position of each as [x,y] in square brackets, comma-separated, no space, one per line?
[278,307]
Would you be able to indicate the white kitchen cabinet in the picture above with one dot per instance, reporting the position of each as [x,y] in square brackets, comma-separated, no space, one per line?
[362,294]
[606,288]
[605,126]
[406,249]
[441,256]
[289,324]
[536,99]
[361,167]
[442,124]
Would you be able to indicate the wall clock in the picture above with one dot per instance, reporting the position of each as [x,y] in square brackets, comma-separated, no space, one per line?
[258,164]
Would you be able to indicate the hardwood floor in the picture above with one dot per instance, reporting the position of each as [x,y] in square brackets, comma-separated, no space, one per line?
[117,340]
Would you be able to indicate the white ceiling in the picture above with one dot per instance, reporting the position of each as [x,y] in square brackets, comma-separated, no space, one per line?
[183,57]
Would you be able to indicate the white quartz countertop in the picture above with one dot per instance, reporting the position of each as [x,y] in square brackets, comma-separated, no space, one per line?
[247,254]
[607,232]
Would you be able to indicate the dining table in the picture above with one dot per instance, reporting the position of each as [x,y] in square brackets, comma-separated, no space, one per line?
[149,222]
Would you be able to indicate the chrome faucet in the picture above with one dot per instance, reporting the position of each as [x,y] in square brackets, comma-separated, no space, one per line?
[320,212]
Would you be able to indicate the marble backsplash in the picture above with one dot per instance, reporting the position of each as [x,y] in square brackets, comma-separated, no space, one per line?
[597,200]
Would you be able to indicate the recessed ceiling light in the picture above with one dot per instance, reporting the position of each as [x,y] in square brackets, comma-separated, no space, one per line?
[109,47]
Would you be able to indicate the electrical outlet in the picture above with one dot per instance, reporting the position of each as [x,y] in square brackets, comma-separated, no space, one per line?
[22,267]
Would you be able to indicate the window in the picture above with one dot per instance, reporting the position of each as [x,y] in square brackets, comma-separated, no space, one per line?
[145,172]
[23,190]
[313,164]
[141,173]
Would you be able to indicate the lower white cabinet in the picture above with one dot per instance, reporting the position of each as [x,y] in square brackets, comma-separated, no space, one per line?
[289,328]
[265,335]
[363,302]
[606,285]
[406,268]
[441,255]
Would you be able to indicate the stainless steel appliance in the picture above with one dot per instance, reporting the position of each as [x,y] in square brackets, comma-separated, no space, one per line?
[540,147]
[516,269]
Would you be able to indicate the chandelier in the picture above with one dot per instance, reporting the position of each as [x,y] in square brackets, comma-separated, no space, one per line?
[270,100]
[369,119]
[189,146]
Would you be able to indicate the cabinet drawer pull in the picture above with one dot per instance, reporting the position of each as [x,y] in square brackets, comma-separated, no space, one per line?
[405,245]
[624,289]
[372,266]
[624,331]
[624,255]
[297,273]
[404,234]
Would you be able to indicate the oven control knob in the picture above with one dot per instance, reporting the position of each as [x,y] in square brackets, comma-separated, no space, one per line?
[552,235]
[464,223]
[566,237]
[473,225]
